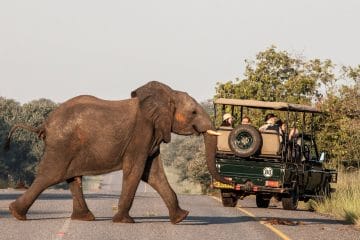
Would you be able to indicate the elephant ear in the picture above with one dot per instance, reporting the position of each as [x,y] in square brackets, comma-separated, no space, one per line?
[157,105]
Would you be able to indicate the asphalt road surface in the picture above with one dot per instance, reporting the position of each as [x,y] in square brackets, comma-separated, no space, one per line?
[208,219]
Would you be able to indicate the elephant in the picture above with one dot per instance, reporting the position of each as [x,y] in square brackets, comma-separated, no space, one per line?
[90,136]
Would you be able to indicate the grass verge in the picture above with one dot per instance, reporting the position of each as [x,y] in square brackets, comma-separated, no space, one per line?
[345,202]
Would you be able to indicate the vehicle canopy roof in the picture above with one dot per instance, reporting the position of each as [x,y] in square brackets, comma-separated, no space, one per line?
[281,106]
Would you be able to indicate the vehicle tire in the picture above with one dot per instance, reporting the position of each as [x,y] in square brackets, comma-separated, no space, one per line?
[262,201]
[291,202]
[245,140]
[228,199]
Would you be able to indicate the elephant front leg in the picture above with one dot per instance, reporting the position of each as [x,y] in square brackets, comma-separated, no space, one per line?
[80,208]
[131,179]
[154,175]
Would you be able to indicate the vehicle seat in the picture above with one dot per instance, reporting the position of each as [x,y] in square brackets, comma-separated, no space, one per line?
[271,143]
[223,139]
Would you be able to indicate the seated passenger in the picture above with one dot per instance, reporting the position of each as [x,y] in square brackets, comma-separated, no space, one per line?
[283,130]
[294,133]
[270,123]
[246,121]
[227,120]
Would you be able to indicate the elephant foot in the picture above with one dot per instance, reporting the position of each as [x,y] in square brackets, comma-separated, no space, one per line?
[179,216]
[83,216]
[121,218]
[15,212]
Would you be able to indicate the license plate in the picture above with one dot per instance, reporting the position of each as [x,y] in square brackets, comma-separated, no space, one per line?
[218,184]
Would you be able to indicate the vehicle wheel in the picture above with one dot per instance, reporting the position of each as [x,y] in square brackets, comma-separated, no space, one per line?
[228,199]
[245,140]
[262,201]
[291,202]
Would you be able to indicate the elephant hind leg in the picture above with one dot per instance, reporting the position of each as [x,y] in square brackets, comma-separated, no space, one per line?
[155,176]
[80,208]
[20,207]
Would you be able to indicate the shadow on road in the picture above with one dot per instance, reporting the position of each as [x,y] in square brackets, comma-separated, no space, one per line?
[190,220]
[210,220]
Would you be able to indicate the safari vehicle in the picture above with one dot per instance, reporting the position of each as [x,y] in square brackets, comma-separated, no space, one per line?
[269,164]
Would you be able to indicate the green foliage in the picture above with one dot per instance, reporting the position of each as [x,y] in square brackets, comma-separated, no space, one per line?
[277,76]
[340,128]
[19,164]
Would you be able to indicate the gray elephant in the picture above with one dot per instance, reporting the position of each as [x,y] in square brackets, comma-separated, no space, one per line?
[90,136]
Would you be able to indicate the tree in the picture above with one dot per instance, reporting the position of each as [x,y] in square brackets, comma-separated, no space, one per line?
[340,126]
[19,164]
[278,76]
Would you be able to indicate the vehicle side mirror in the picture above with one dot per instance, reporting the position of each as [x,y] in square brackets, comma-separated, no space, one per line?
[322,157]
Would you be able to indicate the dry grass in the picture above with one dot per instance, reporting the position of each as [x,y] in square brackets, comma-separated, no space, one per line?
[345,202]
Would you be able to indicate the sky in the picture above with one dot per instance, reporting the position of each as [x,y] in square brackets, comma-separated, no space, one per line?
[61,49]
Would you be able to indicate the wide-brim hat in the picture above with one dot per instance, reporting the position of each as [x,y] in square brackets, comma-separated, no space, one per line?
[226,116]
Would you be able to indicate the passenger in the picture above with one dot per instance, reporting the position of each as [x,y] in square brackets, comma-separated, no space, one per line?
[227,120]
[246,121]
[294,133]
[270,123]
[282,126]
[282,129]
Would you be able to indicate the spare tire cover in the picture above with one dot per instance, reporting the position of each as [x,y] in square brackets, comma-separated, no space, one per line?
[245,140]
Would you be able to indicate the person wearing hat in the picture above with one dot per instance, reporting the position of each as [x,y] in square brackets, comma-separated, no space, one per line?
[227,120]
[270,123]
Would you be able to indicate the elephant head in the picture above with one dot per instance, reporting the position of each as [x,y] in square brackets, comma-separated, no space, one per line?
[173,111]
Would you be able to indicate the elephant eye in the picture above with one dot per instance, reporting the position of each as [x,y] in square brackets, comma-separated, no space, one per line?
[194,112]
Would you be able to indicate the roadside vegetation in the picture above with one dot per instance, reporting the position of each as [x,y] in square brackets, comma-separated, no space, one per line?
[345,202]
[273,75]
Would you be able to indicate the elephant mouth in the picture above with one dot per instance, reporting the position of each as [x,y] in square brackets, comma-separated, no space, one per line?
[187,131]
[194,131]
[198,131]
[207,131]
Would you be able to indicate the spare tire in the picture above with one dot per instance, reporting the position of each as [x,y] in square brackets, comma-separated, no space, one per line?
[245,140]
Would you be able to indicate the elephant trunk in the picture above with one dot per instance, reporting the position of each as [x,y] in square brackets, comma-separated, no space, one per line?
[210,152]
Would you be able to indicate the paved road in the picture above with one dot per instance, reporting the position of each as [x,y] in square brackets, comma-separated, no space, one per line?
[49,219]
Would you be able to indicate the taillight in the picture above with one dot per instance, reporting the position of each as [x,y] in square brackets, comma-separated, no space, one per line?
[270,183]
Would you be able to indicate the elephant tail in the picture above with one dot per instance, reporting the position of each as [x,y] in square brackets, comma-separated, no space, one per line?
[40,131]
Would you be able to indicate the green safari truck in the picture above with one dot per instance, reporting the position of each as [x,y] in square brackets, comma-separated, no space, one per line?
[280,161]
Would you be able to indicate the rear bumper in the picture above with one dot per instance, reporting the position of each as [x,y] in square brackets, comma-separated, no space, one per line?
[249,188]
